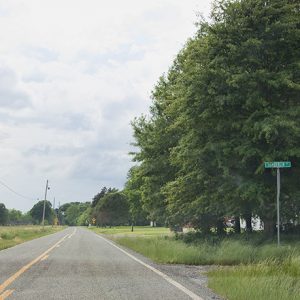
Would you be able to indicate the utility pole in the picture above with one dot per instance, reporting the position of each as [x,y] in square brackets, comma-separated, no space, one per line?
[44,208]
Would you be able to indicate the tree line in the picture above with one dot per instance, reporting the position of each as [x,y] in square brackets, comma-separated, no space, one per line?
[228,103]
[109,207]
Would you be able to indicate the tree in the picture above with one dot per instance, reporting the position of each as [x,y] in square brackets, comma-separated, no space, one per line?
[228,103]
[26,219]
[84,218]
[102,193]
[112,210]
[73,212]
[37,212]
[250,102]
[14,216]
[155,137]
[3,214]
[134,197]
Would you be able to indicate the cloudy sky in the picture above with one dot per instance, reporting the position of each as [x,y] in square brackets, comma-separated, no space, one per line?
[73,74]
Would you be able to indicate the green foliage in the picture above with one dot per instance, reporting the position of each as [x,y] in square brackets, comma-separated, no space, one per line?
[102,193]
[229,102]
[85,219]
[112,210]
[74,211]
[14,216]
[134,197]
[3,214]
[37,212]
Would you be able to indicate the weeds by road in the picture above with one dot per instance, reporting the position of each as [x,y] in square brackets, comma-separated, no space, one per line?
[13,235]
[267,280]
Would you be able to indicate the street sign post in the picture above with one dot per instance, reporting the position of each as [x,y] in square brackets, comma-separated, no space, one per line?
[278,165]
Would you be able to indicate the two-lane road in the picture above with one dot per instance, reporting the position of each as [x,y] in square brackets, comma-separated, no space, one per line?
[78,264]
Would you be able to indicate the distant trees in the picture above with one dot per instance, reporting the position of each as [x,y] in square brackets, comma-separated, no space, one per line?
[102,193]
[112,210]
[74,211]
[14,216]
[3,214]
[228,103]
[85,217]
[37,212]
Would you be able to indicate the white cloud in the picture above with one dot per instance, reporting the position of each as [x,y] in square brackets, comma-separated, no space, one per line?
[73,74]
[11,96]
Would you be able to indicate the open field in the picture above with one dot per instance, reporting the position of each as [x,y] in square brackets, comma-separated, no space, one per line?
[137,231]
[13,235]
[254,268]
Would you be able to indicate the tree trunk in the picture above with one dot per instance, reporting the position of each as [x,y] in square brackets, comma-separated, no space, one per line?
[269,227]
[220,227]
[248,219]
[237,224]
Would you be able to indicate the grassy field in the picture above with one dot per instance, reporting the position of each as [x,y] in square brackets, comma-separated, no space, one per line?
[13,235]
[252,267]
[137,231]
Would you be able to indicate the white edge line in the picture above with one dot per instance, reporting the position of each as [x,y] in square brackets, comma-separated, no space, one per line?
[163,275]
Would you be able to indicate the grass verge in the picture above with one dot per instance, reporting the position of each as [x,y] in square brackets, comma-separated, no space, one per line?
[267,280]
[169,250]
[13,235]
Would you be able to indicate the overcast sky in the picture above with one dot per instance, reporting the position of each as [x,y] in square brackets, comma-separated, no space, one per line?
[73,74]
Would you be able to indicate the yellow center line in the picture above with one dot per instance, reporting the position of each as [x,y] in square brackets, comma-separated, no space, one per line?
[11,279]
[45,257]
[6,294]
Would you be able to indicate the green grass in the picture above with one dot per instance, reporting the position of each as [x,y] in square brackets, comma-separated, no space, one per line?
[13,235]
[267,280]
[169,250]
[137,231]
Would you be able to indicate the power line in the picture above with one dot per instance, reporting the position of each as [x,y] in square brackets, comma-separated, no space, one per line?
[13,191]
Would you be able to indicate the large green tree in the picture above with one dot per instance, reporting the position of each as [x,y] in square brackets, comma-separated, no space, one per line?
[112,210]
[74,211]
[36,212]
[229,102]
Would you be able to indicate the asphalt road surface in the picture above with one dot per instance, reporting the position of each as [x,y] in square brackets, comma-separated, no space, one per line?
[78,264]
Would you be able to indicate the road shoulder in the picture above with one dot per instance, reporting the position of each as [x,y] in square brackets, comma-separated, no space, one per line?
[192,277]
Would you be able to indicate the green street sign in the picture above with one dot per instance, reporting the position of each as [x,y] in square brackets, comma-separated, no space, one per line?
[278,164]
